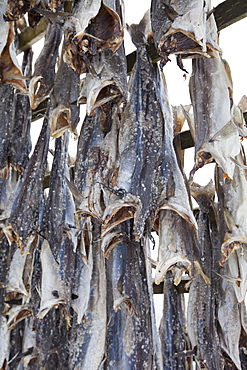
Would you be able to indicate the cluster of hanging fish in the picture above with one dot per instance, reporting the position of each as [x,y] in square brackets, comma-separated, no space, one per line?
[76,289]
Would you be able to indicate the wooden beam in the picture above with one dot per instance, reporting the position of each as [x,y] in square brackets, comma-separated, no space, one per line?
[30,36]
[229,12]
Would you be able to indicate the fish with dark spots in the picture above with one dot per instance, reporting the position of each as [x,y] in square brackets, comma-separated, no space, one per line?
[66,112]
[87,339]
[174,340]
[59,231]
[42,81]
[107,83]
[93,27]
[232,197]
[95,162]
[202,305]
[140,141]
[216,134]
[129,307]
[182,28]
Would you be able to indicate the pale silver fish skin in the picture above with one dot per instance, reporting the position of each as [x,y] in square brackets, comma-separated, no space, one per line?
[87,339]
[215,132]
[130,310]
[202,305]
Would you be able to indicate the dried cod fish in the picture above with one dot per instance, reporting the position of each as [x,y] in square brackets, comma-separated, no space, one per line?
[174,340]
[87,339]
[130,310]
[66,112]
[183,28]
[42,81]
[94,26]
[202,305]
[232,195]
[216,134]
[140,138]
[108,82]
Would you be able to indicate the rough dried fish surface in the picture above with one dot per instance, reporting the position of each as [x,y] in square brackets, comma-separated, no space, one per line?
[140,140]
[232,195]
[202,305]
[24,216]
[183,28]
[95,161]
[66,112]
[42,81]
[173,193]
[174,340]
[4,340]
[216,135]
[87,339]
[10,71]
[94,26]
[7,112]
[108,82]
[20,137]
[129,305]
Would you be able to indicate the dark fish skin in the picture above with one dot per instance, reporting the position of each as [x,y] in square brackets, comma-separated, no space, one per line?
[5,258]
[24,215]
[6,109]
[20,137]
[66,113]
[42,81]
[87,339]
[129,308]
[202,305]
[172,334]
[140,141]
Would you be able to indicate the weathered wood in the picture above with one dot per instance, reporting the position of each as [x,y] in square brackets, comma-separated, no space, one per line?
[30,36]
[229,12]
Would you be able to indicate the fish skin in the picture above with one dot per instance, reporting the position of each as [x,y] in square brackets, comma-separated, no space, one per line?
[29,190]
[108,82]
[182,28]
[85,32]
[141,123]
[42,81]
[172,334]
[87,339]
[129,304]
[216,131]
[202,305]
[232,200]
[66,113]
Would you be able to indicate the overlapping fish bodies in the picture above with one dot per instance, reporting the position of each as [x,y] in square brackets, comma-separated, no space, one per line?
[129,305]
[94,26]
[174,340]
[66,112]
[216,135]
[140,138]
[183,28]
[44,70]
[58,248]
[107,82]
[232,197]
[202,305]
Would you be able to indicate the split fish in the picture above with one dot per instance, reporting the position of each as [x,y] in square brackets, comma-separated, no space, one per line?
[183,28]
[140,140]
[93,27]
[42,81]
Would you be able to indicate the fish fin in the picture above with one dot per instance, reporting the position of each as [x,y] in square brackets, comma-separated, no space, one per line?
[139,32]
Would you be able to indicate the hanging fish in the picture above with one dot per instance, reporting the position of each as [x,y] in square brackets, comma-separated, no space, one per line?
[202,304]
[59,231]
[183,28]
[140,140]
[232,197]
[216,135]
[129,304]
[107,82]
[66,112]
[42,81]
[94,26]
